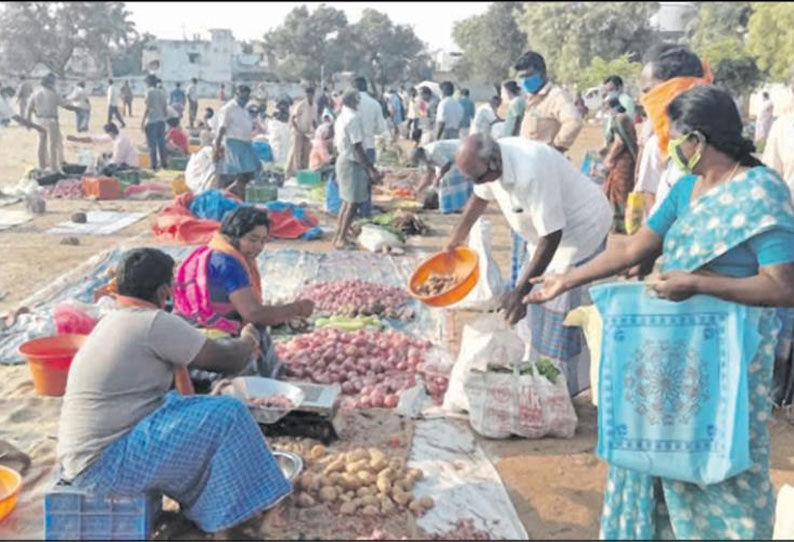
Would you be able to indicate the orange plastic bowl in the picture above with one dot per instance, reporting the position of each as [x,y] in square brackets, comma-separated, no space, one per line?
[463,262]
[10,485]
[49,359]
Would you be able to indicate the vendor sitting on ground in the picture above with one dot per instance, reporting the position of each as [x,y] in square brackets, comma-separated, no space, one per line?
[124,154]
[177,142]
[440,171]
[122,432]
[218,285]
[322,153]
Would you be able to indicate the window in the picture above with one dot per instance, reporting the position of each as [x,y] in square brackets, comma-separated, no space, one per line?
[193,58]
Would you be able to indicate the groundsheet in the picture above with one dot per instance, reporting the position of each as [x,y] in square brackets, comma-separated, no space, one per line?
[97,223]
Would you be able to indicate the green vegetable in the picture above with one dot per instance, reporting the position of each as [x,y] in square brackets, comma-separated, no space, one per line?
[547,368]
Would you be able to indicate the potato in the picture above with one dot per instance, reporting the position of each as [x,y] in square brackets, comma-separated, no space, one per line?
[317,451]
[334,478]
[407,484]
[387,505]
[305,500]
[415,507]
[328,494]
[369,500]
[348,508]
[365,491]
[345,497]
[401,498]
[305,481]
[375,454]
[377,465]
[366,477]
[384,486]
[427,502]
[358,454]
[326,459]
[350,481]
[396,463]
[337,465]
[370,510]
[356,466]
[387,473]
[416,473]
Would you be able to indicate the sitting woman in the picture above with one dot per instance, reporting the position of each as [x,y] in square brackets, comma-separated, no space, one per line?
[322,153]
[218,286]
[176,140]
[123,432]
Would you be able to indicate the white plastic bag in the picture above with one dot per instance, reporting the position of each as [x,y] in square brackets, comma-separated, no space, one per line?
[487,340]
[377,239]
[784,519]
[486,294]
[200,171]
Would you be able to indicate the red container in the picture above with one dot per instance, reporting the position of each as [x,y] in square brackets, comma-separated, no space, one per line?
[101,187]
[49,359]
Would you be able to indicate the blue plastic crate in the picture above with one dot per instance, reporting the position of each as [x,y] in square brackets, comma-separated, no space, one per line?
[72,514]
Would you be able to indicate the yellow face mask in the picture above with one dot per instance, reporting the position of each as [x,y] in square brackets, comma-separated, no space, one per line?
[674,151]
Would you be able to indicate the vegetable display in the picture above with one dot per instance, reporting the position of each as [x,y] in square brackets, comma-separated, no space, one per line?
[358,298]
[437,284]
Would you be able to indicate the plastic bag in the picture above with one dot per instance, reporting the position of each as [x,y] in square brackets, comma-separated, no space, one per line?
[377,239]
[635,212]
[486,294]
[200,172]
[784,519]
[75,317]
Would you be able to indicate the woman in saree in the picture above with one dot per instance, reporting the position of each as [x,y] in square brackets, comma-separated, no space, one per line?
[322,153]
[725,230]
[218,286]
[620,156]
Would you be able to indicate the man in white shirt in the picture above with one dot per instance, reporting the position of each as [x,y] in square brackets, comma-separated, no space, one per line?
[79,98]
[124,151]
[565,219]
[372,120]
[113,103]
[235,127]
[486,116]
[450,114]
[354,170]
[192,101]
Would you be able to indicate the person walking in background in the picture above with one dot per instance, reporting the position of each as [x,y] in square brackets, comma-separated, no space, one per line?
[549,116]
[428,108]
[450,114]
[222,93]
[153,123]
[126,98]
[192,101]
[79,98]
[178,99]
[613,88]
[113,103]
[763,122]
[515,109]
[468,112]
[620,158]
[486,116]
[414,131]
[44,102]
[24,91]
[302,125]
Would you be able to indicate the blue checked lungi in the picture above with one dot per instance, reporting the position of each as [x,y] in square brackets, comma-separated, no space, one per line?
[454,191]
[518,257]
[240,157]
[207,453]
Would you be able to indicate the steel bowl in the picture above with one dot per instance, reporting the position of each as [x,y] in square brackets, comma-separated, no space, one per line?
[291,464]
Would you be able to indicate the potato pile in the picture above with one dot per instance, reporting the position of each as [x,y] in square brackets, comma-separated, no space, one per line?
[361,481]
[438,283]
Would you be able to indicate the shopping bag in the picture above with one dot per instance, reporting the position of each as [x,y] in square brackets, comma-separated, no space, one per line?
[673,383]
[635,212]
[487,293]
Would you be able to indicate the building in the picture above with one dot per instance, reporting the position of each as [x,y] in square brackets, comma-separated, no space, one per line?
[672,19]
[221,59]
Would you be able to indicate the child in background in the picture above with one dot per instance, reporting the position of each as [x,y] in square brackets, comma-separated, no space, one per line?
[176,140]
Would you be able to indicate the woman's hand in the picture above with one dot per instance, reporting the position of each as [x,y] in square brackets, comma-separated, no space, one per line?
[675,285]
[553,285]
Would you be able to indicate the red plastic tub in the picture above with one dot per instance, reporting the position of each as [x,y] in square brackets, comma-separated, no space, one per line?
[49,359]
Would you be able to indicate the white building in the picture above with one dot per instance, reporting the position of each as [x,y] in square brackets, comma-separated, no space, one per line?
[672,19]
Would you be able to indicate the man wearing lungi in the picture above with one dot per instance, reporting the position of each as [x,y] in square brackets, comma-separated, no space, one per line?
[565,219]
[235,128]
[122,432]
[438,160]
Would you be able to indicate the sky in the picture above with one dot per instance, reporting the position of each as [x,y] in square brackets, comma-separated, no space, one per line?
[432,21]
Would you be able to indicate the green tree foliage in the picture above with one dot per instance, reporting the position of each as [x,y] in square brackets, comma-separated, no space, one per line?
[599,69]
[571,34]
[382,51]
[770,38]
[308,44]
[51,32]
[128,60]
[490,42]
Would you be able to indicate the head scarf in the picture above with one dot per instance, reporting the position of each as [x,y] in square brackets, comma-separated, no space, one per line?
[656,101]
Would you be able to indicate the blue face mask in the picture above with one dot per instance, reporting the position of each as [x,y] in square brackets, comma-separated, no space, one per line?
[533,83]
[242,101]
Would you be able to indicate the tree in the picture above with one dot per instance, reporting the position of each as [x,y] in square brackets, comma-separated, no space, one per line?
[490,42]
[51,32]
[382,51]
[571,34]
[599,69]
[770,38]
[128,60]
[308,45]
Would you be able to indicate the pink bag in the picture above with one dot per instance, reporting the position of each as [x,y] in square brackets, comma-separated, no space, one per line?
[74,317]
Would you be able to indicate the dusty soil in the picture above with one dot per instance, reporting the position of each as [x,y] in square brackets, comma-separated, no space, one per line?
[556,485]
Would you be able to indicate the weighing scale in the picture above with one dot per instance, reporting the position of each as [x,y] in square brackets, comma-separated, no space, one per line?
[314,418]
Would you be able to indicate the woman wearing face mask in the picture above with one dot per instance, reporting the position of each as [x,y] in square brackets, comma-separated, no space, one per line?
[726,230]
[218,285]
[620,156]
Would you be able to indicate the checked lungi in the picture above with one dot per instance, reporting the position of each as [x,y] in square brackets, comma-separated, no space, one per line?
[207,453]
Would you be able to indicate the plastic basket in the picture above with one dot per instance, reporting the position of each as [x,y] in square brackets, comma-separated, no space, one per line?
[72,514]
[307,177]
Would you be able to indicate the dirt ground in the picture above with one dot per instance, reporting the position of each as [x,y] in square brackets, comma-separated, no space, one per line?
[556,485]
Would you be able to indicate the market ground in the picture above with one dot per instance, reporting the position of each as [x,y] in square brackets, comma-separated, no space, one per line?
[555,485]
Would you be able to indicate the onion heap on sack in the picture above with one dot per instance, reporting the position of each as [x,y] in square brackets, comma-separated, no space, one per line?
[359,298]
